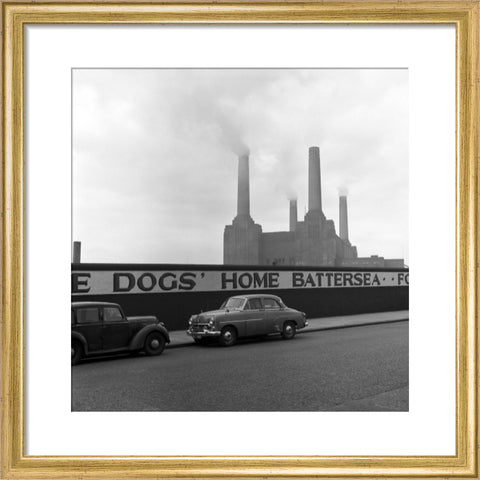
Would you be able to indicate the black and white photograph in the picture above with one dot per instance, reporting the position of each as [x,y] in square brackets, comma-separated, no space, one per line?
[240,240]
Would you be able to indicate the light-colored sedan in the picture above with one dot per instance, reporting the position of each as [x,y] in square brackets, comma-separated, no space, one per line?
[246,316]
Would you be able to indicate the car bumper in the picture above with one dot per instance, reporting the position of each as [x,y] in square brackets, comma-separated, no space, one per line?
[300,326]
[203,333]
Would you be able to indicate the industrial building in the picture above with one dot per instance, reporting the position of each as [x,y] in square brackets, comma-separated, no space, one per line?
[311,242]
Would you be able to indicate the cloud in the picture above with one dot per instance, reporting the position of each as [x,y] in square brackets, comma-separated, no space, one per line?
[155,156]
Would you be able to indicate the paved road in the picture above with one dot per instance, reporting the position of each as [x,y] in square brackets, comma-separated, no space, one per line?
[353,369]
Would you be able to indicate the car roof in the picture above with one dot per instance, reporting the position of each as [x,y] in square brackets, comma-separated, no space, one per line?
[94,304]
[258,295]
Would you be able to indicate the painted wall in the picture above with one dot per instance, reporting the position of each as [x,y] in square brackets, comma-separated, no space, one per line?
[174,292]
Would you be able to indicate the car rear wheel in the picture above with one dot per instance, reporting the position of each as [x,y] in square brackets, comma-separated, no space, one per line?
[289,330]
[77,352]
[228,336]
[154,344]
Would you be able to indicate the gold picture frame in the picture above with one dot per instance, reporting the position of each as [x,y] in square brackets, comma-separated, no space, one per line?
[15,464]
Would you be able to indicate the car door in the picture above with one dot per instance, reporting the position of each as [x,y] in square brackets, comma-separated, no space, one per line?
[89,324]
[256,317]
[116,329]
[273,312]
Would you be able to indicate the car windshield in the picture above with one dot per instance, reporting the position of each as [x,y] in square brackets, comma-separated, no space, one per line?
[234,303]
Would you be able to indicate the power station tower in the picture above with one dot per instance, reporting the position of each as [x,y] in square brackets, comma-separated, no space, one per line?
[343,218]
[314,181]
[312,241]
[293,214]
[242,239]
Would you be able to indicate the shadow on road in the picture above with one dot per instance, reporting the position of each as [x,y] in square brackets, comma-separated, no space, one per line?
[210,344]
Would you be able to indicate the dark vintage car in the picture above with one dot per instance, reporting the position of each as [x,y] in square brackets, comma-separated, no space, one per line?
[246,316]
[101,328]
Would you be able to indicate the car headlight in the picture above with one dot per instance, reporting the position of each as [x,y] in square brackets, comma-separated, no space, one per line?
[210,322]
[190,321]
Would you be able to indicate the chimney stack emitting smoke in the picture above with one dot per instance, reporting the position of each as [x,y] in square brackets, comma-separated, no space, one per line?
[293,215]
[343,218]
[314,180]
[243,198]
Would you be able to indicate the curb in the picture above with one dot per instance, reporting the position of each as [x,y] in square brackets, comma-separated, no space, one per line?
[314,329]
[363,324]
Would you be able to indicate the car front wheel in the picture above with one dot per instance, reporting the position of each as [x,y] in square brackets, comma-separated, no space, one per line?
[289,330]
[228,337]
[77,352]
[154,344]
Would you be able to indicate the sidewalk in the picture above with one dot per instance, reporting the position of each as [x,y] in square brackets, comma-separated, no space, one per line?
[179,338]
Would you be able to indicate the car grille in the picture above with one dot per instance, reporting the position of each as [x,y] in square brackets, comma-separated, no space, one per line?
[199,327]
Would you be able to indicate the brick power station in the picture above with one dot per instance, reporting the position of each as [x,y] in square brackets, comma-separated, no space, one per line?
[313,242]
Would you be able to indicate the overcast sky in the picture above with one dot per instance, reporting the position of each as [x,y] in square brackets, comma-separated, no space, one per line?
[155,157]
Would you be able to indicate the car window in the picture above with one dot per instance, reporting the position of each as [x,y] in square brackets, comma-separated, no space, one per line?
[271,304]
[234,302]
[87,315]
[112,314]
[255,304]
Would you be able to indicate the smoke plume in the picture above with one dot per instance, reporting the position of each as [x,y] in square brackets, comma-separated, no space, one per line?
[230,135]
